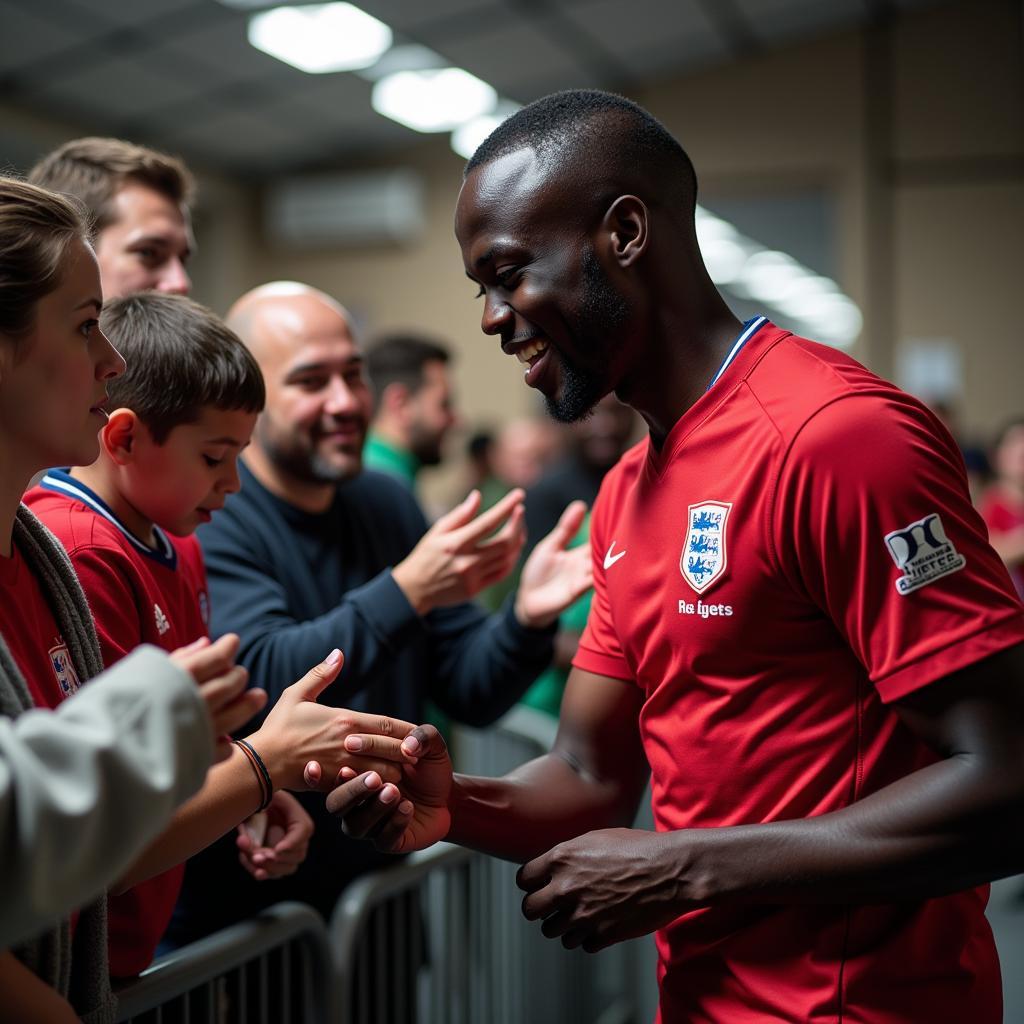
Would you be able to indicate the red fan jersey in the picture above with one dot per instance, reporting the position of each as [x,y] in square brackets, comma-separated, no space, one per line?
[801,552]
[137,594]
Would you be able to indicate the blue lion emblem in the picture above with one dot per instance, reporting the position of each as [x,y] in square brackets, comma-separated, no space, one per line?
[699,567]
[704,545]
[706,521]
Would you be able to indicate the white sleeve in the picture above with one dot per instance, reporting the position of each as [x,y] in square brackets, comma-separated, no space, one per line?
[84,788]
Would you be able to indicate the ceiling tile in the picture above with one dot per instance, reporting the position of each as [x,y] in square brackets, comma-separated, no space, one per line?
[644,24]
[778,20]
[509,58]
[125,87]
[29,36]
[412,15]
[118,12]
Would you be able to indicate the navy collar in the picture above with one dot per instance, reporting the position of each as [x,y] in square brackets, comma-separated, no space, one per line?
[750,328]
[62,482]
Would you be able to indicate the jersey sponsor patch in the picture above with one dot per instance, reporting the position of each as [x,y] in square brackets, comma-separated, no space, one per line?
[64,669]
[923,553]
[703,558]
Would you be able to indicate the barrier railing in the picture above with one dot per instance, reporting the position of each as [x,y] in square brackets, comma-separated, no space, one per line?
[272,969]
[439,938]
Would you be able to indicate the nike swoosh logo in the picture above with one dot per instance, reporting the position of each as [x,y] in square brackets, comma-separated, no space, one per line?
[610,559]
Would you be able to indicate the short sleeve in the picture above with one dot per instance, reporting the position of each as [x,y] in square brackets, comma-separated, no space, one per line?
[872,519]
[599,649]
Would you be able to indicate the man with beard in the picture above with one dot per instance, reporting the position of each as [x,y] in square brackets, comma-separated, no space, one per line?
[413,398]
[313,550]
[797,621]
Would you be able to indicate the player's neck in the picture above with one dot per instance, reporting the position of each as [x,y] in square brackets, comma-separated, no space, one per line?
[100,479]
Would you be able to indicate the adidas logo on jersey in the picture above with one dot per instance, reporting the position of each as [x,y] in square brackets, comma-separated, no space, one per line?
[162,625]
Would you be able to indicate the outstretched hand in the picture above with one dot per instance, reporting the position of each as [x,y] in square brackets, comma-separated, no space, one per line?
[462,553]
[554,575]
[400,820]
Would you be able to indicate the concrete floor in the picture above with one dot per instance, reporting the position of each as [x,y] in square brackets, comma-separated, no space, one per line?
[1006,915]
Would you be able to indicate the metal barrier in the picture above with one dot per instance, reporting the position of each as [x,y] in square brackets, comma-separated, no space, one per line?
[437,939]
[272,969]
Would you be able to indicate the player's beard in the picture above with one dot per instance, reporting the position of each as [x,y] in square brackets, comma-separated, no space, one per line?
[601,314]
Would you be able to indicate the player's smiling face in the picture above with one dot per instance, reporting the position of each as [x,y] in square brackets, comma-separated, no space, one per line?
[544,291]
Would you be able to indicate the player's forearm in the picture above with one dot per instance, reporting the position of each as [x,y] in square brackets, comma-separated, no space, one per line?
[230,794]
[533,808]
[947,827]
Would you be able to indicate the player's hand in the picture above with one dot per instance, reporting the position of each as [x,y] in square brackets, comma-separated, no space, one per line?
[298,731]
[399,821]
[222,686]
[604,887]
[555,575]
[461,555]
[274,842]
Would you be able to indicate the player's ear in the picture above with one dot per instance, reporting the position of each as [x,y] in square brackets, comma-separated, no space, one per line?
[627,229]
[119,436]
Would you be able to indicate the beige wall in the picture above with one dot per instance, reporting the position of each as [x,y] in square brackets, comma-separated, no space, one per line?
[928,224]
[929,211]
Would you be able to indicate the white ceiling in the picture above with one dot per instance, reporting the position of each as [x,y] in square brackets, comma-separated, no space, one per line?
[180,74]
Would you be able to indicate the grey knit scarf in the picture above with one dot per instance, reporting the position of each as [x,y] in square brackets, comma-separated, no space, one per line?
[77,968]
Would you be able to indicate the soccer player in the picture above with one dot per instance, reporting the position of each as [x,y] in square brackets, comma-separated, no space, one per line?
[797,621]
[177,420]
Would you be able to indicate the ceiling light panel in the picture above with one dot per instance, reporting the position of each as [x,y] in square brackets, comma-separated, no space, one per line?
[320,38]
[433,100]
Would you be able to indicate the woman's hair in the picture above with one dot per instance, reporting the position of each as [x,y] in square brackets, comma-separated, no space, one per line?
[36,229]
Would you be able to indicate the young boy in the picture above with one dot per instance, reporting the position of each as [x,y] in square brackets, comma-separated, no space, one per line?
[178,418]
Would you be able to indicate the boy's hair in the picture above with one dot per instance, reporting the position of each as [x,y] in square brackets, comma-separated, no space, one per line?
[94,169]
[181,358]
[36,229]
[400,359]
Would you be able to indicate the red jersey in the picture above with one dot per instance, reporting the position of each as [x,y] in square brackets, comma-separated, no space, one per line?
[31,634]
[137,595]
[801,552]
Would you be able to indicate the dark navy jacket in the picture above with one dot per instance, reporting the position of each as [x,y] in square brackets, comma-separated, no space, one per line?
[294,585]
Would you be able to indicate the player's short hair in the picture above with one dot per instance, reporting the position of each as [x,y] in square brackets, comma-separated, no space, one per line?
[36,228]
[400,359]
[95,169]
[181,358]
[587,131]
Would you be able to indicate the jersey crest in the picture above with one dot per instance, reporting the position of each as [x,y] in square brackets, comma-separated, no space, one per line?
[703,559]
[64,669]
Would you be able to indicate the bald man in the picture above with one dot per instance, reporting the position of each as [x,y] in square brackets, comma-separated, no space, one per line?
[798,624]
[315,551]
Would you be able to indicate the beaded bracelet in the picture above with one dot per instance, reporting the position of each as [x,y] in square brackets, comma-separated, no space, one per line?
[262,774]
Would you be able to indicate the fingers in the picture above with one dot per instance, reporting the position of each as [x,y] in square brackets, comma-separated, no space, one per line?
[389,770]
[568,524]
[460,515]
[387,748]
[425,741]
[220,690]
[318,678]
[312,774]
[487,522]
[204,660]
[371,809]
[233,716]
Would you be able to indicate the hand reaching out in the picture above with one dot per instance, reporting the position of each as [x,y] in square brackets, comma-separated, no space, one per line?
[400,820]
[460,555]
[554,575]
